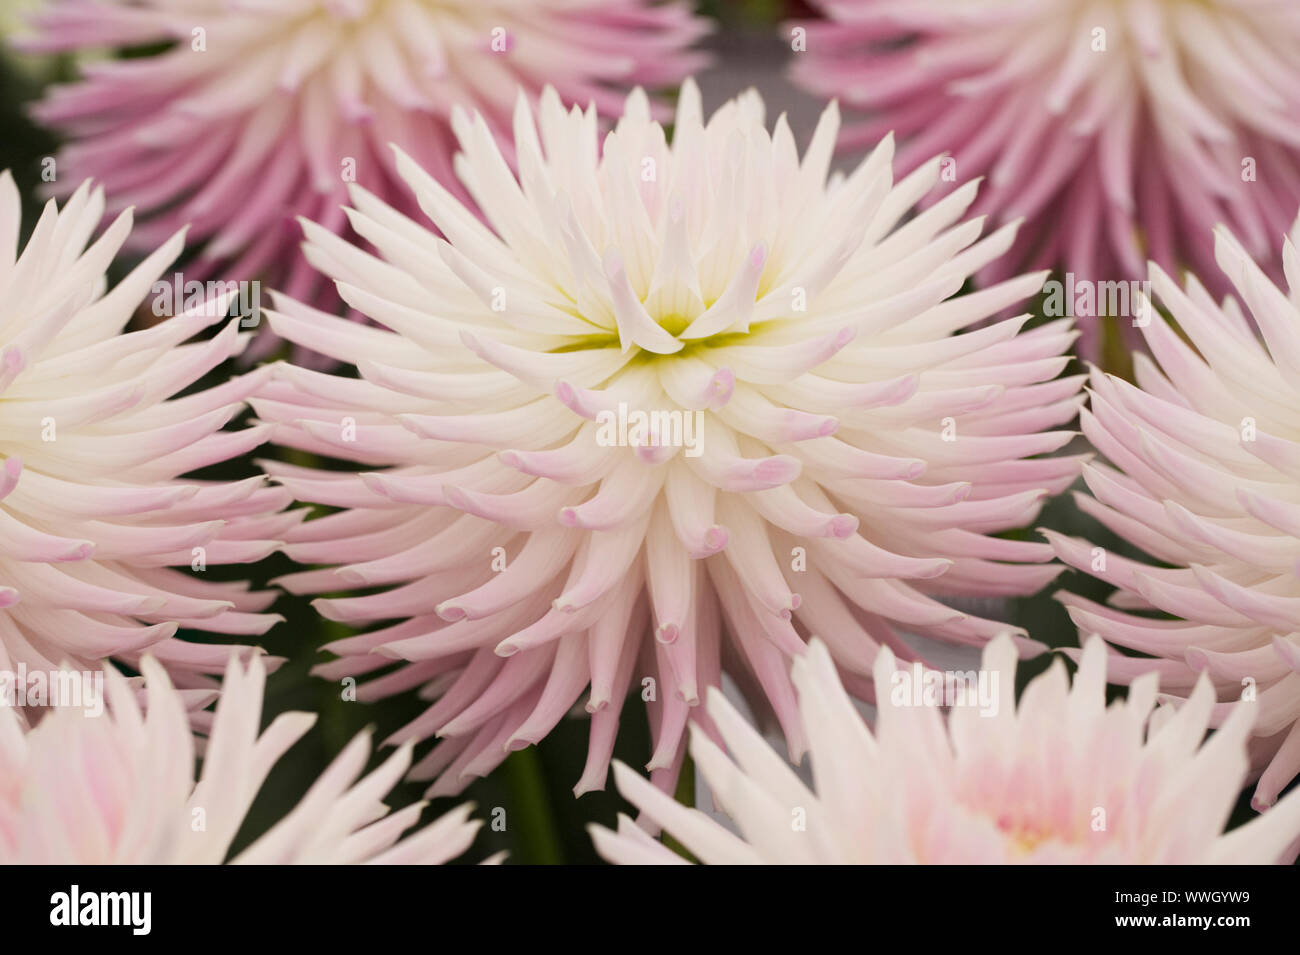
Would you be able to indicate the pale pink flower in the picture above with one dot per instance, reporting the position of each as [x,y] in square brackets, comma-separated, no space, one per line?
[1122,130]
[1204,475]
[852,456]
[1061,779]
[119,788]
[94,511]
[262,110]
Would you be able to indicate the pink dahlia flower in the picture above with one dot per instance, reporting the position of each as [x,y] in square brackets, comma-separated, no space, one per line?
[128,795]
[673,408]
[1123,131]
[1061,779]
[1204,476]
[94,513]
[261,110]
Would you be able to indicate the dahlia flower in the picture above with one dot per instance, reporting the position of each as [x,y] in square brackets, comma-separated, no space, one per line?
[1204,475]
[1122,131]
[260,110]
[1061,779]
[824,453]
[129,795]
[94,515]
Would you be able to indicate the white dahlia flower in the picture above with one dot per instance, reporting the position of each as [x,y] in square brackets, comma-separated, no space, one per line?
[119,788]
[670,410]
[1203,474]
[1062,779]
[94,511]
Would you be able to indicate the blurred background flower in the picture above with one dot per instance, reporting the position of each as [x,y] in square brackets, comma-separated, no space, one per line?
[1121,131]
[234,118]
[15,17]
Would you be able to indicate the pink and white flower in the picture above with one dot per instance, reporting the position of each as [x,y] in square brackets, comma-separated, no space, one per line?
[127,794]
[95,514]
[1061,779]
[262,110]
[1122,131]
[1204,476]
[857,449]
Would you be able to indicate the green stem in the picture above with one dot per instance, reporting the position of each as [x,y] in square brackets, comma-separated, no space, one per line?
[538,841]
[685,795]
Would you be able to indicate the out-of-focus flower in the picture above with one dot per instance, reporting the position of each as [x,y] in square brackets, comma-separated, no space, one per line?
[14,16]
[1204,476]
[830,457]
[119,789]
[1122,130]
[94,515]
[1061,779]
[260,110]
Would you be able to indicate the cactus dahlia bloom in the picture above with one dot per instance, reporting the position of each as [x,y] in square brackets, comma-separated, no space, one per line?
[672,409]
[1060,779]
[260,110]
[1204,476]
[1123,130]
[130,796]
[93,512]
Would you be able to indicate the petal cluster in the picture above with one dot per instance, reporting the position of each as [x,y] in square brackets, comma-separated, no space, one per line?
[260,110]
[95,514]
[128,793]
[1122,130]
[1203,474]
[1059,779]
[854,449]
